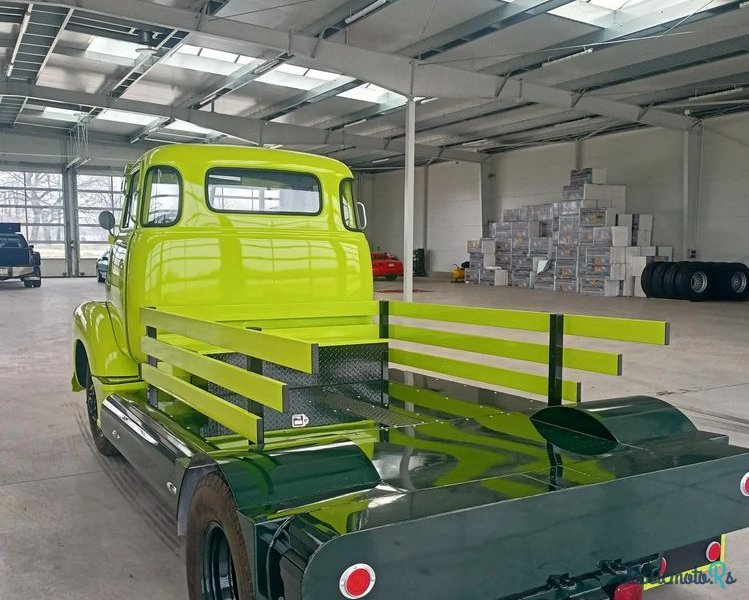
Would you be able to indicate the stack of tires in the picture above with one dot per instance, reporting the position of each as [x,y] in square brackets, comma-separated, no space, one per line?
[696,281]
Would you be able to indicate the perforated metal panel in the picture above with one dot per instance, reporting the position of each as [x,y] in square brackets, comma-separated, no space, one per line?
[349,386]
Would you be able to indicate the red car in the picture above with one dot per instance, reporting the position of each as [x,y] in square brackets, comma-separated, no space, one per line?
[384,265]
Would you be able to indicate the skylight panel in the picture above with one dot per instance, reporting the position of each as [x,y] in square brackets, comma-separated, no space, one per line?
[188,49]
[367,92]
[321,75]
[120,116]
[582,11]
[290,69]
[187,127]
[112,47]
[218,55]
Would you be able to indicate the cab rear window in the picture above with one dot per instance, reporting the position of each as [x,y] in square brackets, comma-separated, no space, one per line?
[262,191]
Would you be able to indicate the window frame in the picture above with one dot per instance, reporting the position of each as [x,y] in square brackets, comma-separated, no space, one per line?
[146,184]
[132,177]
[320,194]
[358,227]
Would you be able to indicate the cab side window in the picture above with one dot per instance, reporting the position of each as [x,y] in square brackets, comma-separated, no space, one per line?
[130,214]
[162,197]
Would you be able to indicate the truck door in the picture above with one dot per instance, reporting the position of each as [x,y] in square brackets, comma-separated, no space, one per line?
[118,261]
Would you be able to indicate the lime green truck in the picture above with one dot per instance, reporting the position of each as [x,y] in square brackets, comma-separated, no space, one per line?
[313,443]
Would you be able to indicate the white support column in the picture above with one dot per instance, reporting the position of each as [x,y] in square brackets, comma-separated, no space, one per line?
[691,203]
[70,214]
[408,203]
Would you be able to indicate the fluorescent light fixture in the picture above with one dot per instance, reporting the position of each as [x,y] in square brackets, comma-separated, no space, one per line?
[720,94]
[359,122]
[60,114]
[427,100]
[380,160]
[554,61]
[365,11]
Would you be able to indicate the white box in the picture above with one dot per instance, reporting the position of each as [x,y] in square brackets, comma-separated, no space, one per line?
[611,288]
[488,246]
[639,293]
[637,266]
[490,260]
[618,272]
[620,236]
[632,252]
[645,222]
[644,237]
[501,277]
[648,251]
[628,287]
[624,219]
[667,251]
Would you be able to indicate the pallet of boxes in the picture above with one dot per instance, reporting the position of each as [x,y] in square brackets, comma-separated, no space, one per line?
[587,243]
[483,268]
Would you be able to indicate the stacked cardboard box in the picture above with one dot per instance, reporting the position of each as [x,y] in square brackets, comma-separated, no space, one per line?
[482,258]
[586,243]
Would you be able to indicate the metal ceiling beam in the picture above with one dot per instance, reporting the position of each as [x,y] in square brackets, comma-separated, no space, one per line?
[396,73]
[646,22]
[480,26]
[254,130]
[316,94]
[322,28]
[38,35]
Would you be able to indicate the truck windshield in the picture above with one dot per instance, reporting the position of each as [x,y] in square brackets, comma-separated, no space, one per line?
[262,191]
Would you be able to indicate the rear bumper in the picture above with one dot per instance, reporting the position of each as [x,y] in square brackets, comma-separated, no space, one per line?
[17,272]
[386,271]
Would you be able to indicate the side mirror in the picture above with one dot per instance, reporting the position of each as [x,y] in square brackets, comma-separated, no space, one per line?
[31,246]
[107,220]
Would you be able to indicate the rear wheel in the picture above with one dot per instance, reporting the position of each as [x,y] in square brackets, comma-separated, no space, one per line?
[657,282]
[103,445]
[732,281]
[694,281]
[28,284]
[218,566]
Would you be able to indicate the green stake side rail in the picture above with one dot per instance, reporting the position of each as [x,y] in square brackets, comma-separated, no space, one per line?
[336,424]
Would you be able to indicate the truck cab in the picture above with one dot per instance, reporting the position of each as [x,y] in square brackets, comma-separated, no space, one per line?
[220,225]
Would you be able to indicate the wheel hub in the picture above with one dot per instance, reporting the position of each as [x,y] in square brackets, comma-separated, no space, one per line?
[219,579]
[739,282]
[699,282]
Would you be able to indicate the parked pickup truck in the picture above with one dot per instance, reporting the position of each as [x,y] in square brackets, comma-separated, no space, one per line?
[18,260]
[242,366]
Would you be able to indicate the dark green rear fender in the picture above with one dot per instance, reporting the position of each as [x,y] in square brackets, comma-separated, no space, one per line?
[281,483]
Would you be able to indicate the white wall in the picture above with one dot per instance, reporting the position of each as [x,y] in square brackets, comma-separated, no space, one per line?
[650,163]
[448,214]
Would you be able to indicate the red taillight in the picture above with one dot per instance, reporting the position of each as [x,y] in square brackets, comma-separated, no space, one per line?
[713,551]
[744,487]
[663,567]
[628,591]
[357,581]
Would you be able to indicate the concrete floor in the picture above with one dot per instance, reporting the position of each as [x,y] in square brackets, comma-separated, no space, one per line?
[74,525]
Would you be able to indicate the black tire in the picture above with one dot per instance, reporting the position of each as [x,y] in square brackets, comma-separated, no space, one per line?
[28,284]
[731,281]
[103,445]
[391,277]
[649,275]
[218,566]
[658,280]
[668,281]
[694,281]
[99,278]
[37,284]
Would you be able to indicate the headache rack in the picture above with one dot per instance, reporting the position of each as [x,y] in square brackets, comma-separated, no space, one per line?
[263,368]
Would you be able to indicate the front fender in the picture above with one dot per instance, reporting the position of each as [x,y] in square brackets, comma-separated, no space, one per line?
[93,333]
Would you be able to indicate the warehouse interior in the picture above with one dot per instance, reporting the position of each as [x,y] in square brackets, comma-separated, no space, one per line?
[462,123]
